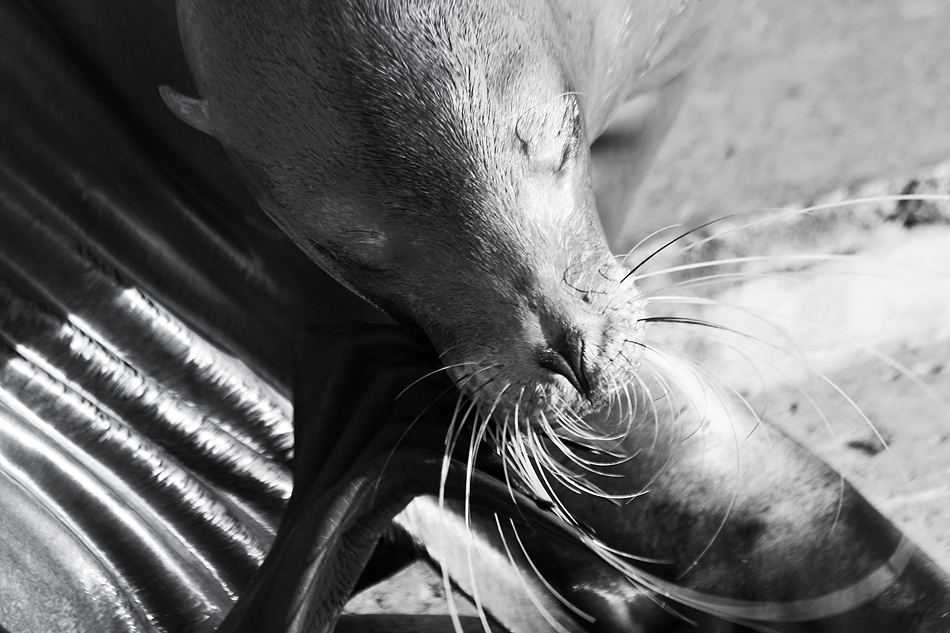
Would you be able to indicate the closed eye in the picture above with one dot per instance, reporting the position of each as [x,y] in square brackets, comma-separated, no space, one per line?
[565,155]
[548,136]
[572,128]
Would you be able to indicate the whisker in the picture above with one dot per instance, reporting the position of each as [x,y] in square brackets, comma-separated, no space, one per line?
[673,440]
[579,613]
[475,442]
[656,252]
[747,259]
[716,391]
[778,214]
[625,257]
[851,202]
[903,370]
[870,350]
[452,435]
[850,401]
[649,295]
[430,374]
[524,584]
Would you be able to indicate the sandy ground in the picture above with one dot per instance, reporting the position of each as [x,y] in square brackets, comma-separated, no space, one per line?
[836,99]
[800,101]
[800,98]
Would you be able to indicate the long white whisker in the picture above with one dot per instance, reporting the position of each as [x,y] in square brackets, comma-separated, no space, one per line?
[778,215]
[581,614]
[524,584]
[430,374]
[827,380]
[746,259]
[625,257]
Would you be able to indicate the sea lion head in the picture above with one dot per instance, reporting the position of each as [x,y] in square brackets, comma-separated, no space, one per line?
[433,157]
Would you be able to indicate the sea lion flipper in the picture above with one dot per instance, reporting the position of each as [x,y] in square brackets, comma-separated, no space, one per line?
[192,111]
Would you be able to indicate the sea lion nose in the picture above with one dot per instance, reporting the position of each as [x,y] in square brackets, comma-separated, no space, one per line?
[563,354]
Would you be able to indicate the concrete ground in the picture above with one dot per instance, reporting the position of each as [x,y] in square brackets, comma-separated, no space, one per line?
[802,102]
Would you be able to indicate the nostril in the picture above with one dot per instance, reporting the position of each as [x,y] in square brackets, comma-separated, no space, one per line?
[564,356]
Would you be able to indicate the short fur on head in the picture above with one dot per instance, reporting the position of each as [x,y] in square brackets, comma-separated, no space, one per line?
[432,156]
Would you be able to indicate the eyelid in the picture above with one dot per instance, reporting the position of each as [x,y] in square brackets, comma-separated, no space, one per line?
[569,124]
[574,124]
[565,155]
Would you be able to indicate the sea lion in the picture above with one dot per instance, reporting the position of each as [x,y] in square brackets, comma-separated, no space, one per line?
[82,177]
[433,157]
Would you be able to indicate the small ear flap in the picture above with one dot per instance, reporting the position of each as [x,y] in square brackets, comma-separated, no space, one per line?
[192,111]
